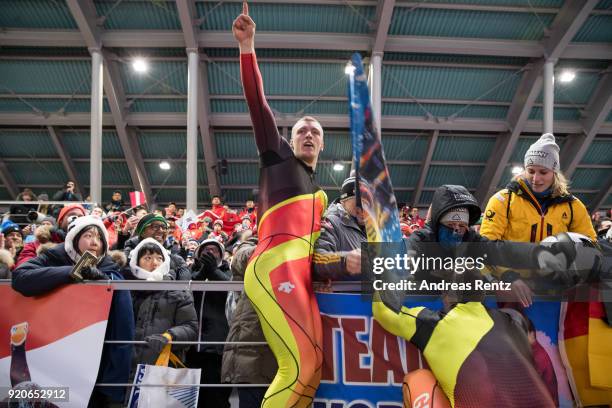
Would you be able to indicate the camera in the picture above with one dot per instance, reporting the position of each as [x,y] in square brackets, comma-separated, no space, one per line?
[34,217]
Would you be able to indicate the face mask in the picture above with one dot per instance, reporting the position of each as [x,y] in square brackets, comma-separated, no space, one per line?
[448,238]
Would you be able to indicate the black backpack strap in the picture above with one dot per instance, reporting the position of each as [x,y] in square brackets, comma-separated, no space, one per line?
[508,207]
[571,213]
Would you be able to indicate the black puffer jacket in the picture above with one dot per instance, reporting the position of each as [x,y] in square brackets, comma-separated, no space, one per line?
[340,234]
[177,264]
[252,364]
[210,307]
[157,312]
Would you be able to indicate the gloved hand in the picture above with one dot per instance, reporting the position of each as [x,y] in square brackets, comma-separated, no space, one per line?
[549,262]
[93,273]
[208,264]
[158,341]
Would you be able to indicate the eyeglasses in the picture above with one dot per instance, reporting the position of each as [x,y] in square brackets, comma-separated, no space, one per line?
[157,227]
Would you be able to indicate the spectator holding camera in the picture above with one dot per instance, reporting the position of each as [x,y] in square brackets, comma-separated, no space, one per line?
[53,269]
[67,193]
[209,265]
[19,212]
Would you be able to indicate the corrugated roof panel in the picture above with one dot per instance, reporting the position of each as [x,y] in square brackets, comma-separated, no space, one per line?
[164,144]
[175,176]
[608,202]
[604,4]
[159,105]
[558,113]
[45,51]
[518,3]
[144,15]
[48,77]
[28,143]
[469,149]
[281,53]
[468,23]
[237,196]
[589,179]
[449,83]
[426,197]
[235,145]
[36,14]
[48,105]
[404,196]
[166,195]
[586,198]
[4,194]
[404,176]
[467,176]
[37,172]
[506,177]
[453,59]
[600,152]
[283,106]
[240,173]
[282,17]
[597,28]
[444,110]
[281,78]
[578,91]
[405,147]
[337,146]
[163,77]
[332,195]
[327,176]
[112,172]
[78,144]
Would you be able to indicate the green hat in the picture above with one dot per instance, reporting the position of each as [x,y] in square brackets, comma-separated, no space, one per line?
[148,219]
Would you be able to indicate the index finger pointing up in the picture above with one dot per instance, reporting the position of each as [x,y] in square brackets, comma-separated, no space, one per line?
[245,8]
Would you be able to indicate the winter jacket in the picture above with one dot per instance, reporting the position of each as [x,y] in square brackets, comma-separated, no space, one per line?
[157,312]
[51,270]
[243,363]
[63,195]
[340,234]
[210,307]
[514,214]
[30,250]
[177,264]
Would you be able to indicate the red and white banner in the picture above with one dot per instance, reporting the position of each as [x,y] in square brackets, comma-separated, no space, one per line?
[137,198]
[53,340]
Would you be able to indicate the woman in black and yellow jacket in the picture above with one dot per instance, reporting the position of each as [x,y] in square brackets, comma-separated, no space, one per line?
[536,205]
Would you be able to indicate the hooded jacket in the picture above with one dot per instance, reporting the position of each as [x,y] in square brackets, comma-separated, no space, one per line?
[52,269]
[160,311]
[246,363]
[514,214]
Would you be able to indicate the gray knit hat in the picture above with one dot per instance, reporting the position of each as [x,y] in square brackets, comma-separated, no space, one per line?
[544,152]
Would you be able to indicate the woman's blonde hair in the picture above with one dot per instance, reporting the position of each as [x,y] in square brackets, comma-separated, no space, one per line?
[559,187]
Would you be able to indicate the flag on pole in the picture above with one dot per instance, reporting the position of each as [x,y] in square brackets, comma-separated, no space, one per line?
[137,198]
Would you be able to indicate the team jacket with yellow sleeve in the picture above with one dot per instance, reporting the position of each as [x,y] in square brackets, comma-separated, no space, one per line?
[514,214]
[481,357]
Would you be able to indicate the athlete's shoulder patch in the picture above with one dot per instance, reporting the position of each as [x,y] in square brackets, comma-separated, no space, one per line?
[489,215]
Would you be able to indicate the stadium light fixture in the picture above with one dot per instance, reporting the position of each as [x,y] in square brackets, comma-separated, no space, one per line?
[567,76]
[140,65]
[164,165]
[338,166]
[516,170]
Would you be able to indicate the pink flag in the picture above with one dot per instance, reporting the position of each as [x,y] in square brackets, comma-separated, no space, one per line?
[137,198]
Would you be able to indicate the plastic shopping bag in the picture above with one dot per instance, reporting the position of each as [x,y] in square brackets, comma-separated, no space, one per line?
[180,390]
